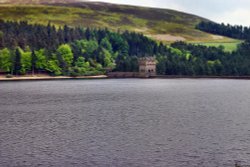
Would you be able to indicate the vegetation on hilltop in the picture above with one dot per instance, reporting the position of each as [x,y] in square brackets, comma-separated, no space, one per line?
[236,31]
[149,21]
[38,1]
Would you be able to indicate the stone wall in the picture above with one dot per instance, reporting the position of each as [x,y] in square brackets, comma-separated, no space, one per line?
[123,74]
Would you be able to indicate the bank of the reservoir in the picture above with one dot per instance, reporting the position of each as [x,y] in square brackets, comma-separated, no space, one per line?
[39,78]
[24,78]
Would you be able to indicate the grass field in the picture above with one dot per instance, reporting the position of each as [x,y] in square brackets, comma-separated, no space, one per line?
[228,46]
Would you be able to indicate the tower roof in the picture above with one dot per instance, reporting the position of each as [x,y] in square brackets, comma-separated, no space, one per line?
[147,59]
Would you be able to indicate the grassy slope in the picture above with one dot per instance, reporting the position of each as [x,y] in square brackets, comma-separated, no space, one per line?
[155,23]
[229,46]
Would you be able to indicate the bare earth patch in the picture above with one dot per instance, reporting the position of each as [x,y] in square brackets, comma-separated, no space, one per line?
[216,37]
[142,30]
[168,37]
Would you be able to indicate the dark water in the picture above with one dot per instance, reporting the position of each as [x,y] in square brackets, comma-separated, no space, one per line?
[125,123]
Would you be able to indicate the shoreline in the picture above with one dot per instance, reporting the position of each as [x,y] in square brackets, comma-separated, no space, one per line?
[41,78]
[202,77]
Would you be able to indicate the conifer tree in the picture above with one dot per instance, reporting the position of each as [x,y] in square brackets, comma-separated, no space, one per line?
[17,62]
[33,62]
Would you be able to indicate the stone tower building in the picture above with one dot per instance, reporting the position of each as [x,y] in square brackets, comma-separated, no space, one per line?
[147,67]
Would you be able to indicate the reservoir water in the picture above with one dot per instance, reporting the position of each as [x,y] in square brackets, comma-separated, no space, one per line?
[125,123]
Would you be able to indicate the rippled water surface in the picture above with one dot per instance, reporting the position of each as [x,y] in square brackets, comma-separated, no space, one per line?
[125,123]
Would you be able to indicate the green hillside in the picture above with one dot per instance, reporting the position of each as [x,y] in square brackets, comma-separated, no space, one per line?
[160,24]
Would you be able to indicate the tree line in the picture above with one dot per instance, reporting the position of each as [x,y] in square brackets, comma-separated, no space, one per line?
[233,31]
[198,60]
[26,48]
